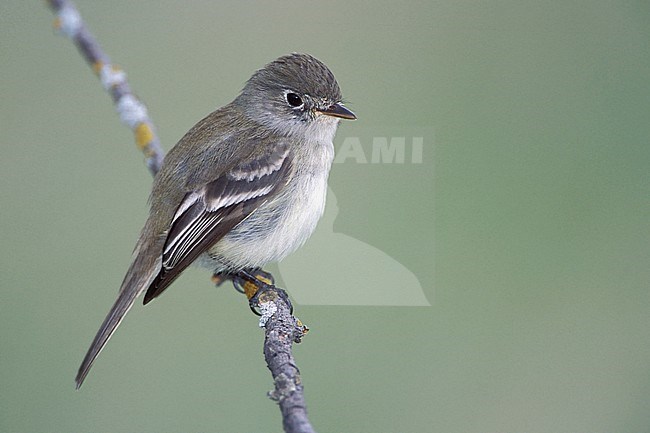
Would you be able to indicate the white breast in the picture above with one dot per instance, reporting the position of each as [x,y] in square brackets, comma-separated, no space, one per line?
[278,228]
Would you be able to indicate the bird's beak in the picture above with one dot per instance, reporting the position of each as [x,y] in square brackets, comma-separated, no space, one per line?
[338,110]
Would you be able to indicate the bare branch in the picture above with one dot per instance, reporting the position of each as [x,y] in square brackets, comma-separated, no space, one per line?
[132,112]
[282,329]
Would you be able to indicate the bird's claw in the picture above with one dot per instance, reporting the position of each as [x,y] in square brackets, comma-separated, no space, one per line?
[256,284]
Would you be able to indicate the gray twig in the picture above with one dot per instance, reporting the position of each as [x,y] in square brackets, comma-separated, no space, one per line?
[132,112]
[282,329]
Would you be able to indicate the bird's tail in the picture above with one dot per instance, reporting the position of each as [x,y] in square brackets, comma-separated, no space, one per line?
[137,279]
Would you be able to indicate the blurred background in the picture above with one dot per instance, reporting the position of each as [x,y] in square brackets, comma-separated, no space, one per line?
[525,222]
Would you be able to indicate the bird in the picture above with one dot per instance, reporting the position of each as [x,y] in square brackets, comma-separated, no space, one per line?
[243,187]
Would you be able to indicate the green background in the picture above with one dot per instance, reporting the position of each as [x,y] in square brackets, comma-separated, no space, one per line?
[526,223]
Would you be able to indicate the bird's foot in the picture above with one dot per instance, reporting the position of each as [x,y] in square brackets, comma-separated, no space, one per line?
[256,284]
[259,287]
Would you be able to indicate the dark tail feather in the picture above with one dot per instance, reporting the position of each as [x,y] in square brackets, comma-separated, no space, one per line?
[134,284]
[111,322]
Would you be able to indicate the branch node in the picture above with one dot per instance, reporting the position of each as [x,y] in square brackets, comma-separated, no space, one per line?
[284,387]
[268,309]
[111,76]
[131,111]
[68,21]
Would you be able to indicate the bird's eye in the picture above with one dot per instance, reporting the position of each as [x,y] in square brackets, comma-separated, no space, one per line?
[294,100]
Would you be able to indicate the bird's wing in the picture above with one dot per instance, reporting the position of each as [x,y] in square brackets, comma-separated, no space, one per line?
[206,214]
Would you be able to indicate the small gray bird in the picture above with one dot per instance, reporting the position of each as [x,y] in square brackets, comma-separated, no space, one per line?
[244,187]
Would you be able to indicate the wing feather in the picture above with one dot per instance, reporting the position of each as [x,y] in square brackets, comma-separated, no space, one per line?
[208,213]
